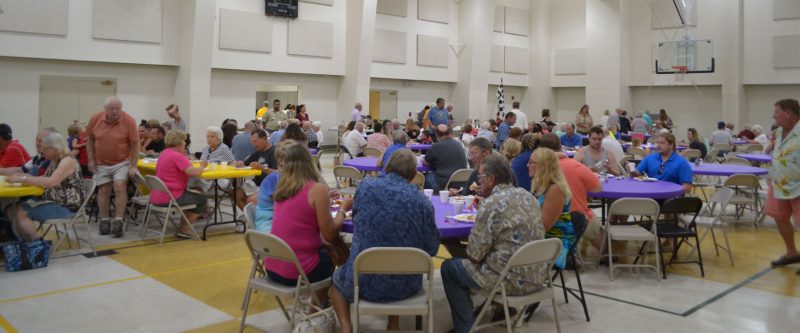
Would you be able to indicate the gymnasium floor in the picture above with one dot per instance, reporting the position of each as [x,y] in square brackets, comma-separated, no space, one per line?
[186,285]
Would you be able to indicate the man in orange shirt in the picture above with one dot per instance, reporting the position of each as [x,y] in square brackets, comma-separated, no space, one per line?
[581,180]
[12,153]
[113,149]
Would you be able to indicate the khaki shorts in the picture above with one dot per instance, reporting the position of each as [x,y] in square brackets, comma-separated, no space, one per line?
[108,173]
[592,229]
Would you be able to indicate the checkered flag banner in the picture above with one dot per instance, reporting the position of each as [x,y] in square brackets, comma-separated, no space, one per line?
[501,100]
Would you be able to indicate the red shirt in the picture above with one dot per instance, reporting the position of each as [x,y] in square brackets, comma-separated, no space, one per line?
[580,180]
[14,155]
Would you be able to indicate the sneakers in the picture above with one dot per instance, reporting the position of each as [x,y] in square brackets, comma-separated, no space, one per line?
[116,228]
[105,227]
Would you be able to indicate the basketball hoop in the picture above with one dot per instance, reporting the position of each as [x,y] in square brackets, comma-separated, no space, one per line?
[680,72]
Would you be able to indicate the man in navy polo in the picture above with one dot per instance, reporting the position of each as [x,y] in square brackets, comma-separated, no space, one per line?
[666,164]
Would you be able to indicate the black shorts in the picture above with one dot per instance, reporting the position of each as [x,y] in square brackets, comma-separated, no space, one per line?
[323,271]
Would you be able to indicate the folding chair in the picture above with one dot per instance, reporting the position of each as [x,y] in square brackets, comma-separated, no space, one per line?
[139,199]
[638,153]
[317,157]
[419,180]
[157,185]
[262,246]
[632,231]
[351,174]
[460,176]
[395,261]
[346,151]
[692,154]
[754,148]
[372,152]
[250,216]
[541,252]
[80,217]
[687,208]
[711,217]
[745,187]
[737,161]
[579,224]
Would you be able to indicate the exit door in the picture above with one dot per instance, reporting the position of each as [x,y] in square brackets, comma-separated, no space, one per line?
[64,100]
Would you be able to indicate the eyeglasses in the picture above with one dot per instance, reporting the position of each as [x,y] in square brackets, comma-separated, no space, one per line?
[661,168]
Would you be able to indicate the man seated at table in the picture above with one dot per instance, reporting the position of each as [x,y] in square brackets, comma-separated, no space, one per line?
[12,153]
[595,156]
[444,157]
[666,164]
[389,212]
[581,180]
[479,149]
[263,158]
[156,144]
[399,141]
[720,136]
[355,141]
[571,139]
[508,218]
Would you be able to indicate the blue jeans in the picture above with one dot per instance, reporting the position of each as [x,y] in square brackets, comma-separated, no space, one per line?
[431,182]
[457,284]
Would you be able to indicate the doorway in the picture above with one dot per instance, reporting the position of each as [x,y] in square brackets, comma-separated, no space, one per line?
[383,104]
[286,94]
[65,100]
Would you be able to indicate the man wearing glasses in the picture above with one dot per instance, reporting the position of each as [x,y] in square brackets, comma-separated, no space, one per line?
[666,164]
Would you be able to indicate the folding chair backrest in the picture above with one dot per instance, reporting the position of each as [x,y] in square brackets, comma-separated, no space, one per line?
[638,153]
[393,260]
[683,205]
[346,151]
[634,206]
[343,171]
[460,176]
[737,161]
[141,183]
[263,245]
[722,147]
[250,215]
[720,199]
[712,155]
[579,224]
[754,148]
[419,180]
[88,189]
[535,252]
[692,153]
[745,180]
[157,184]
[372,152]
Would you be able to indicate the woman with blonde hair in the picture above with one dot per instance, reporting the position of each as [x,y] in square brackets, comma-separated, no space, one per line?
[511,148]
[583,121]
[301,214]
[550,187]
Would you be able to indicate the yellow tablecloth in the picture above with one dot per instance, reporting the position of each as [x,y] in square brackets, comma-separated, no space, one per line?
[219,173]
[9,191]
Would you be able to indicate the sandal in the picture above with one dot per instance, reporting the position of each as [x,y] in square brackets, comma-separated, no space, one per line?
[784,260]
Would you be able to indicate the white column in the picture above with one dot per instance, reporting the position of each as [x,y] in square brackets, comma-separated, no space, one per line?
[539,95]
[606,45]
[475,27]
[733,94]
[360,37]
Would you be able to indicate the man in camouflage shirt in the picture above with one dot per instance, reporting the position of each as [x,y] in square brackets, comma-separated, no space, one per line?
[508,218]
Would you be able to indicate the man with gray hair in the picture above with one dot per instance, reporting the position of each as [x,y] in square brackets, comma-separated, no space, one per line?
[399,140]
[444,157]
[317,126]
[356,114]
[241,145]
[276,136]
[355,141]
[113,149]
[313,142]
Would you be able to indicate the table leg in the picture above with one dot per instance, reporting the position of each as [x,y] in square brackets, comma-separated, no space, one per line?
[217,209]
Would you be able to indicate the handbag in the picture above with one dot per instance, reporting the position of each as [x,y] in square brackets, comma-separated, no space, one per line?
[338,251]
[23,255]
[322,321]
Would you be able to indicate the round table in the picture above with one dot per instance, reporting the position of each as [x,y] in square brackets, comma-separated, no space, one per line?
[631,188]
[448,228]
[570,153]
[652,147]
[419,146]
[727,170]
[208,173]
[370,164]
[627,137]
[761,158]
[8,190]
[740,142]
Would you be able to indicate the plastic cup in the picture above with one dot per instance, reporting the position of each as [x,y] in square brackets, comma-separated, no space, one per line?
[443,196]
[458,206]
[223,165]
[428,192]
[213,166]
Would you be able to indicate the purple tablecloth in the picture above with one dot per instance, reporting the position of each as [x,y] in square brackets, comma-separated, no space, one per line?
[652,147]
[313,151]
[570,153]
[741,142]
[419,146]
[631,188]
[763,158]
[714,169]
[627,137]
[447,229]
[371,164]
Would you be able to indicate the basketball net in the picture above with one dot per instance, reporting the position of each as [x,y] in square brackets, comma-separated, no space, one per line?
[680,72]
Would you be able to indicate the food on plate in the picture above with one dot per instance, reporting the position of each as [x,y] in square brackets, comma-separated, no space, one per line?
[473,187]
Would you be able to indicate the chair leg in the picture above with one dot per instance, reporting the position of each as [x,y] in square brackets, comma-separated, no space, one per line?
[484,308]
[610,260]
[506,312]
[248,292]
[555,314]
[661,257]
[583,297]
[658,260]
[699,256]
[727,244]
[164,228]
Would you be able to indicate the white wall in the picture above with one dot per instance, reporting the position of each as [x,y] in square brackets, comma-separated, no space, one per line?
[412,96]
[761,102]
[80,45]
[687,106]
[568,101]
[499,38]
[279,60]
[567,31]
[412,27]
[144,90]
[758,33]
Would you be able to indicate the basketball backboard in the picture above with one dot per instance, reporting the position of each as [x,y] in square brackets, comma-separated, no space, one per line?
[695,56]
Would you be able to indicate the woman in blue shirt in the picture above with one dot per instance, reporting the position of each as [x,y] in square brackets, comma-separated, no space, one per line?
[520,163]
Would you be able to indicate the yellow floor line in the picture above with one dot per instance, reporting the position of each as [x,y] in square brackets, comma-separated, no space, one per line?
[61,291]
[7,326]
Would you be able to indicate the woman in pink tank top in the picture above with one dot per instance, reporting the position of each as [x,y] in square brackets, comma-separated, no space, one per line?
[302,217]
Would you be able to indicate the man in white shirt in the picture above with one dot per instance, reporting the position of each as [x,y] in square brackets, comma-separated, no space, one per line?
[522,120]
[317,125]
[355,142]
[356,115]
[614,147]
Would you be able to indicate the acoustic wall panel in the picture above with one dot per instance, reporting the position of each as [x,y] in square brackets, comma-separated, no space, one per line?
[516,60]
[389,46]
[497,60]
[499,18]
[321,2]
[570,62]
[517,21]
[786,51]
[310,38]
[47,17]
[393,7]
[664,15]
[432,51]
[434,10]
[245,31]
[134,21]
[785,9]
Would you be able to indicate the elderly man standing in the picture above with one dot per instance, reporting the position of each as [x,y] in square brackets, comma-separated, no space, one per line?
[508,218]
[444,157]
[274,117]
[356,114]
[113,149]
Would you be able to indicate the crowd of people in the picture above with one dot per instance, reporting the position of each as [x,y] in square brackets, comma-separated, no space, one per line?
[526,186]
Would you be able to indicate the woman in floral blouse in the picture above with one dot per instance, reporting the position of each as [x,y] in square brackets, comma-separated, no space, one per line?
[583,121]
